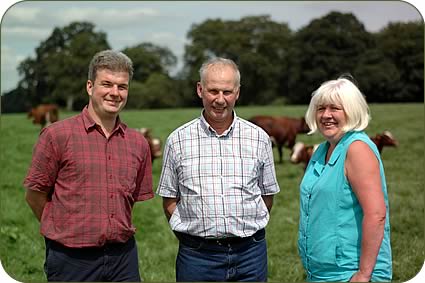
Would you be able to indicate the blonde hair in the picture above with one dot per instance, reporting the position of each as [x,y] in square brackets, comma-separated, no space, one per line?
[340,92]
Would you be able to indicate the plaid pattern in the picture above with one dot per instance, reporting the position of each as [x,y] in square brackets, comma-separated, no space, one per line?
[219,179]
[93,181]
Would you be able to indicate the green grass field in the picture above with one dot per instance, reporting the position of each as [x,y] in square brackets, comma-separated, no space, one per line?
[22,247]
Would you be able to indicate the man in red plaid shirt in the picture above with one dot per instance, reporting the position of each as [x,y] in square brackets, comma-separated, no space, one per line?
[87,172]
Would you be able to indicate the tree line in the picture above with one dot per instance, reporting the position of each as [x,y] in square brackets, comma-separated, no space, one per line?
[277,65]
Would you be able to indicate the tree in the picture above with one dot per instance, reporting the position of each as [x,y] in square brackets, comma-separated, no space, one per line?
[15,101]
[257,44]
[157,91]
[403,45]
[148,58]
[377,76]
[324,49]
[59,71]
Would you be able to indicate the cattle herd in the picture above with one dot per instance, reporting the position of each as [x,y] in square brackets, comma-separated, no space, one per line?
[282,131]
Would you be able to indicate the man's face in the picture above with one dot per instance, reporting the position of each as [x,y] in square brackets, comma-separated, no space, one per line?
[219,95]
[109,92]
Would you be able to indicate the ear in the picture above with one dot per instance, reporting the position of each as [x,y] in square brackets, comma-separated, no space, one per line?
[89,87]
[199,89]
[237,93]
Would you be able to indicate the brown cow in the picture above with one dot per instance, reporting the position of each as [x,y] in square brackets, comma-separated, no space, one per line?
[44,114]
[384,139]
[282,130]
[154,143]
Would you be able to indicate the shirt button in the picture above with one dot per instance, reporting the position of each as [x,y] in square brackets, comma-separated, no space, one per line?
[111,196]
[111,216]
[110,176]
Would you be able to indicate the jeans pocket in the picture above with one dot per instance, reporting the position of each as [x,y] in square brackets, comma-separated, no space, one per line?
[260,236]
[191,245]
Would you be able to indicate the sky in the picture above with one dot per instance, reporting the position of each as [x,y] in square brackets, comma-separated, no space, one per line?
[26,24]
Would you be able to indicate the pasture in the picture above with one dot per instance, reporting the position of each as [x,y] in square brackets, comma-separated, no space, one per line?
[22,247]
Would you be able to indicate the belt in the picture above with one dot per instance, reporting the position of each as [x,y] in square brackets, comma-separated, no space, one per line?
[107,246]
[235,242]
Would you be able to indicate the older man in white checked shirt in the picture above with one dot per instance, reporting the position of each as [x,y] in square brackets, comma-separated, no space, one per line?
[217,183]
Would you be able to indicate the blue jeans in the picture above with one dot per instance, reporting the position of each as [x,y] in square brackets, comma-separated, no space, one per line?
[110,263]
[204,260]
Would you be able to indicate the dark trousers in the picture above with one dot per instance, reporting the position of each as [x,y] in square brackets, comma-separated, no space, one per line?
[114,262]
[234,259]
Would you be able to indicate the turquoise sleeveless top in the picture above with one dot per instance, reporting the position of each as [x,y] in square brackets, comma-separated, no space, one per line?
[330,228]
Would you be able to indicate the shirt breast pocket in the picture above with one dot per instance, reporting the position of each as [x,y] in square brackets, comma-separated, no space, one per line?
[128,175]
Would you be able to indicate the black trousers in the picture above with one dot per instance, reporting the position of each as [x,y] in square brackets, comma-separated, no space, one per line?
[114,262]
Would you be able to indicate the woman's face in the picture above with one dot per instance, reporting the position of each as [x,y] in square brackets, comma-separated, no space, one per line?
[331,119]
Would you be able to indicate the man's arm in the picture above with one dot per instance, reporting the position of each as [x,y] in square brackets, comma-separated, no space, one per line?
[268,200]
[36,201]
[169,205]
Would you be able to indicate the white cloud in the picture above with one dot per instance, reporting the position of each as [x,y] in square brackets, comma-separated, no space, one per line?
[24,32]
[9,61]
[109,17]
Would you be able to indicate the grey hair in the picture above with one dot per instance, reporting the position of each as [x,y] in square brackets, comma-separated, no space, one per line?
[219,61]
[111,60]
[344,92]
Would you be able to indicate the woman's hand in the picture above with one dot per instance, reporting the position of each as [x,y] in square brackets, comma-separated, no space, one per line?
[360,277]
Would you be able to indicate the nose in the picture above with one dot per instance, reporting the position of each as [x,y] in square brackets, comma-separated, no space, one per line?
[220,98]
[114,90]
[327,112]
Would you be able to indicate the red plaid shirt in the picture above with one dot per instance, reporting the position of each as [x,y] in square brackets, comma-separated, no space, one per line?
[93,181]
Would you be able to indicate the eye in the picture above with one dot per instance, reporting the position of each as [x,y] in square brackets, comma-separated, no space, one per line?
[106,84]
[336,108]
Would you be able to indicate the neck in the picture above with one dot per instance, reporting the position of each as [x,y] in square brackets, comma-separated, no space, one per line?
[106,122]
[219,126]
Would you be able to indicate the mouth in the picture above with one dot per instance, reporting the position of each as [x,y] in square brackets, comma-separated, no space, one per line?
[219,109]
[328,124]
[112,102]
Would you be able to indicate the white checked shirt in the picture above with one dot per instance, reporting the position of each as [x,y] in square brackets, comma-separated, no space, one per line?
[218,178]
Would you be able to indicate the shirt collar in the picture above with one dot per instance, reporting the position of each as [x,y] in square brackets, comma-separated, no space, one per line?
[319,157]
[90,124]
[209,130]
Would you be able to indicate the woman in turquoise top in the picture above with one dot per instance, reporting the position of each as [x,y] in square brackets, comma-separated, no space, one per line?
[344,229]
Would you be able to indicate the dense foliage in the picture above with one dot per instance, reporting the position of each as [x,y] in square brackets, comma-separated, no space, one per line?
[277,65]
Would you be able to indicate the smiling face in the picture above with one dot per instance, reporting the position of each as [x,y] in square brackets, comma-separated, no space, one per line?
[219,93]
[331,119]
[108,94]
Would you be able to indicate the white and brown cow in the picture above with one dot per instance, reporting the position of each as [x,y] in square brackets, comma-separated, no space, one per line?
[154,143]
